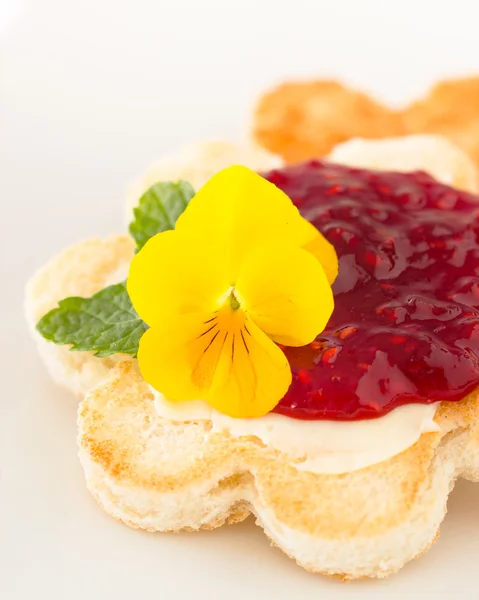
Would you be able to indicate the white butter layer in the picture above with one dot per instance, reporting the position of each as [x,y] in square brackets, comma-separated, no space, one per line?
[331,447]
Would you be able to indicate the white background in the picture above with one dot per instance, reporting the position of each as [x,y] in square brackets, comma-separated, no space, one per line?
[91,92]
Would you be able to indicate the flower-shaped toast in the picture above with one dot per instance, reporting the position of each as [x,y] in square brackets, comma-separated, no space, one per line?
[162,475]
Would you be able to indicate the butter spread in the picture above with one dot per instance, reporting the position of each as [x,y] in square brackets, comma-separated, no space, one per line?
[319,446]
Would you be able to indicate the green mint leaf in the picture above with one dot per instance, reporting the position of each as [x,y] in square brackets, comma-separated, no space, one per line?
[158,209]
[106,323]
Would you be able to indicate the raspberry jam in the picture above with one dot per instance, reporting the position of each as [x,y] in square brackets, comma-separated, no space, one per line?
[405,327]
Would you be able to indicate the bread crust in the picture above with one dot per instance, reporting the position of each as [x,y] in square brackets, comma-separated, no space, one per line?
[158,475]
[300,120]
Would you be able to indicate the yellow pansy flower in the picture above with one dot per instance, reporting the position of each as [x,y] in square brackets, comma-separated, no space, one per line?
[241,273]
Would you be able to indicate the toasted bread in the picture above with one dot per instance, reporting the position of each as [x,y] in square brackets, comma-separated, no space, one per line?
[159,475]
[300,120]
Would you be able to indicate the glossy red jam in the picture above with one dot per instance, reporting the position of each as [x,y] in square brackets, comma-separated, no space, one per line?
[406,322]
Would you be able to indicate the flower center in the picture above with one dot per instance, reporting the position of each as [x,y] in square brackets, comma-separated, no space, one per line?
[234,302]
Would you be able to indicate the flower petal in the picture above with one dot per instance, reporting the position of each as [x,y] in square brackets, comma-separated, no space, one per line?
[321,249]
[285,291]
[222,358]
[236,210]
[172,276]
[178,356]
[252,380]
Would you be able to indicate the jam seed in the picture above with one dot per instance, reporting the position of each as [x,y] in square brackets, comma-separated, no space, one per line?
[333,190]
[304,376]
[345,332]
[371,258]
[329,355]
[384,189]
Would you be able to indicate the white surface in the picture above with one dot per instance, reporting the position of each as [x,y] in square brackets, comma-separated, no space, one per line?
[91,92]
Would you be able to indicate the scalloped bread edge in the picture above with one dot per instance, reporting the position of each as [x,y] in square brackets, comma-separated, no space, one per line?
[158,475]
[150,473]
